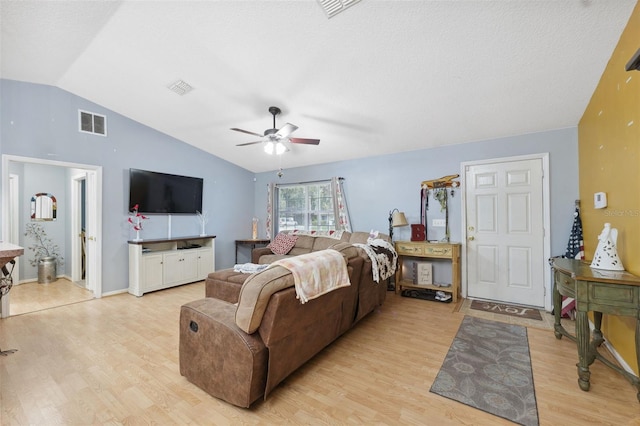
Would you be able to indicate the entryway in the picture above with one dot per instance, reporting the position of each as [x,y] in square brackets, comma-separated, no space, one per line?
[88,176]
[506,213]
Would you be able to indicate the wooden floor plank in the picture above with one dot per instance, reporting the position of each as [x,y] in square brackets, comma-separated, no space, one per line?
[115,361]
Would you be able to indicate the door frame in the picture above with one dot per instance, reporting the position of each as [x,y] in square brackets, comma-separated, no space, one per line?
[76,206]
[546,218]
[94,227]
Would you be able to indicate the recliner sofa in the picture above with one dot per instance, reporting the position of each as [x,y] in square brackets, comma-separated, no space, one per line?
[249,333]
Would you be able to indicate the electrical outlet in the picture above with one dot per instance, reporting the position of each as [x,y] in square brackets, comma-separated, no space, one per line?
[439,222]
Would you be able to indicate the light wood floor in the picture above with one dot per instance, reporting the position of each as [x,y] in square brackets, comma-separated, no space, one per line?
[32,297]
[115,361]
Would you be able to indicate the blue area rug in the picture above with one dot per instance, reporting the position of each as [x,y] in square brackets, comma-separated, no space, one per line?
[488,367]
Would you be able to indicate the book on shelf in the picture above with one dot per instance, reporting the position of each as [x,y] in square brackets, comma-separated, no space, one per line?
[422,273]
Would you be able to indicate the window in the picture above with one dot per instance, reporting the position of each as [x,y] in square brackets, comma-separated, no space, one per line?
[305,206]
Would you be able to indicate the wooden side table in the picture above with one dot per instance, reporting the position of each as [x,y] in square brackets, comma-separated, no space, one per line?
[252,243]
[602,292]
[426,250]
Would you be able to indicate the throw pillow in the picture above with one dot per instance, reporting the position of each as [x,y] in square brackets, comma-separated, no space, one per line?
[282,243]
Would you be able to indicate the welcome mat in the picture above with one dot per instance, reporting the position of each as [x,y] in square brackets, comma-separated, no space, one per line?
[501,308]
[488,367]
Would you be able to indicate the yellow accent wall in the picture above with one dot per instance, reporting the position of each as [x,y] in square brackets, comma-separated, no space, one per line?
[609,161]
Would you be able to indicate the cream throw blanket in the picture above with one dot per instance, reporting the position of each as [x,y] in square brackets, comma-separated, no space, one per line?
[316,273]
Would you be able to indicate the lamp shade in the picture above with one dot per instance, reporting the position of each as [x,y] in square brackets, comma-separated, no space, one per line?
[398,219]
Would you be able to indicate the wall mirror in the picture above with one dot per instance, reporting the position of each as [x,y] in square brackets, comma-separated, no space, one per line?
[435,197]
[43,207]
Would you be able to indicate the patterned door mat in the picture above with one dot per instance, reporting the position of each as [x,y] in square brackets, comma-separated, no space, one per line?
[511,310]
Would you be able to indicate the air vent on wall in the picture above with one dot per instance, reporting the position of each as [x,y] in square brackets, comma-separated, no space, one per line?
[333,7]
[181,87]
[90,122]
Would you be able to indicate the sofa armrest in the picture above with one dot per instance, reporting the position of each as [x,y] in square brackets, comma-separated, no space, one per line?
[217,356]
[256,253]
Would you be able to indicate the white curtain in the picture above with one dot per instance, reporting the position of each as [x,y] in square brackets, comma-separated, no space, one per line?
[340,209]
[271,191]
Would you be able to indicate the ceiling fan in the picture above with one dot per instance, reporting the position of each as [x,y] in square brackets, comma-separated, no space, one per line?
[274,138]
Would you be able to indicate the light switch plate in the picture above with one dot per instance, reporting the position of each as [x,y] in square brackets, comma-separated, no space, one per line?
[439,222]
[599,200]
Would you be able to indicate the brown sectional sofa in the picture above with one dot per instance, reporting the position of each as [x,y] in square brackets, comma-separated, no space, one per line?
[371,293]
[250,332]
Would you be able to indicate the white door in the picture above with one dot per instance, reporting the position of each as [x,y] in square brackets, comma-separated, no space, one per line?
[505,232]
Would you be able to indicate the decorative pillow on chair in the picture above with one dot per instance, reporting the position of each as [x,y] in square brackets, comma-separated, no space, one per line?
[282,243]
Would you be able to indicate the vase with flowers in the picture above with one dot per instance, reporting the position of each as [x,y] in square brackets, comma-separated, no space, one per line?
[136,219]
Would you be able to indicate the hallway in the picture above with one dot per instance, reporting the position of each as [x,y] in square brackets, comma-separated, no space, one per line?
[33,297]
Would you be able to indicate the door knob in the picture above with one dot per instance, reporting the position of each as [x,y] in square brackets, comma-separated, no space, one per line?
[471,238]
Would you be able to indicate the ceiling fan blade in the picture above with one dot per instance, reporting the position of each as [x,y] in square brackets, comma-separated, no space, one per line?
[286,130]
[248,143]
[247,132]
[305,141]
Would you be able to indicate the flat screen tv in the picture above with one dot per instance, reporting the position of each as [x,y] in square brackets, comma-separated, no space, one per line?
[162,193]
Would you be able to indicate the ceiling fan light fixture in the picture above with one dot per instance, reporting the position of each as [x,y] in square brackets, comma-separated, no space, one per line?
[268,148]
[280,148]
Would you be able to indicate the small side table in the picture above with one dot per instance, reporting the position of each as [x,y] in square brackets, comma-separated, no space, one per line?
[600,292]
[250,242]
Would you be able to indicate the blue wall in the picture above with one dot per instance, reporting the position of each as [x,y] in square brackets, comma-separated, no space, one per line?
[376,185]
[41,121]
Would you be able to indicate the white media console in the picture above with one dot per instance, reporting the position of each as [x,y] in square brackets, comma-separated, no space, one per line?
[168,262]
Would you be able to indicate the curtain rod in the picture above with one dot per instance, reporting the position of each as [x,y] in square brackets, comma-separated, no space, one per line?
[307,182]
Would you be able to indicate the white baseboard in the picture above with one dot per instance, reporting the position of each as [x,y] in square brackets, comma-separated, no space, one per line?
[613,352]
[113,293]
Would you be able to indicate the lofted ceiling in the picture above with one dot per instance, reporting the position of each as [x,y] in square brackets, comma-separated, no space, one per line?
[380,77]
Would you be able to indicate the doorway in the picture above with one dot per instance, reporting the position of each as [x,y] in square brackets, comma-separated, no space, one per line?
[506,213]
[92,177]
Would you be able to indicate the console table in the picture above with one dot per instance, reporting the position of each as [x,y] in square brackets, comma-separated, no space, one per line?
[168,262]
[424,249]
[602,292]
[252,243]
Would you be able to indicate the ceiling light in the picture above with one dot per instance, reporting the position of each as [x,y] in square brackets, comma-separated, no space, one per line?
[268,148]
[180,87]
[280,148]
[333,7]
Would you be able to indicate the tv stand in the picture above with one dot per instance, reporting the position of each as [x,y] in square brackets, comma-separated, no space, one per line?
[168,262]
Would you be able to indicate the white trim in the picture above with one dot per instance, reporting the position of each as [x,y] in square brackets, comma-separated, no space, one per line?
[115,292]
[76,245]
[546,217]
[14,232]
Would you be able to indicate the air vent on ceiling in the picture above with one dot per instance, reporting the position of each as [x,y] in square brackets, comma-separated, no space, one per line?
[181,87]
[89,122]
[333,7]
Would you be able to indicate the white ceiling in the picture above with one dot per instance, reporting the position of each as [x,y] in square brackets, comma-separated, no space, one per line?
[381,77]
